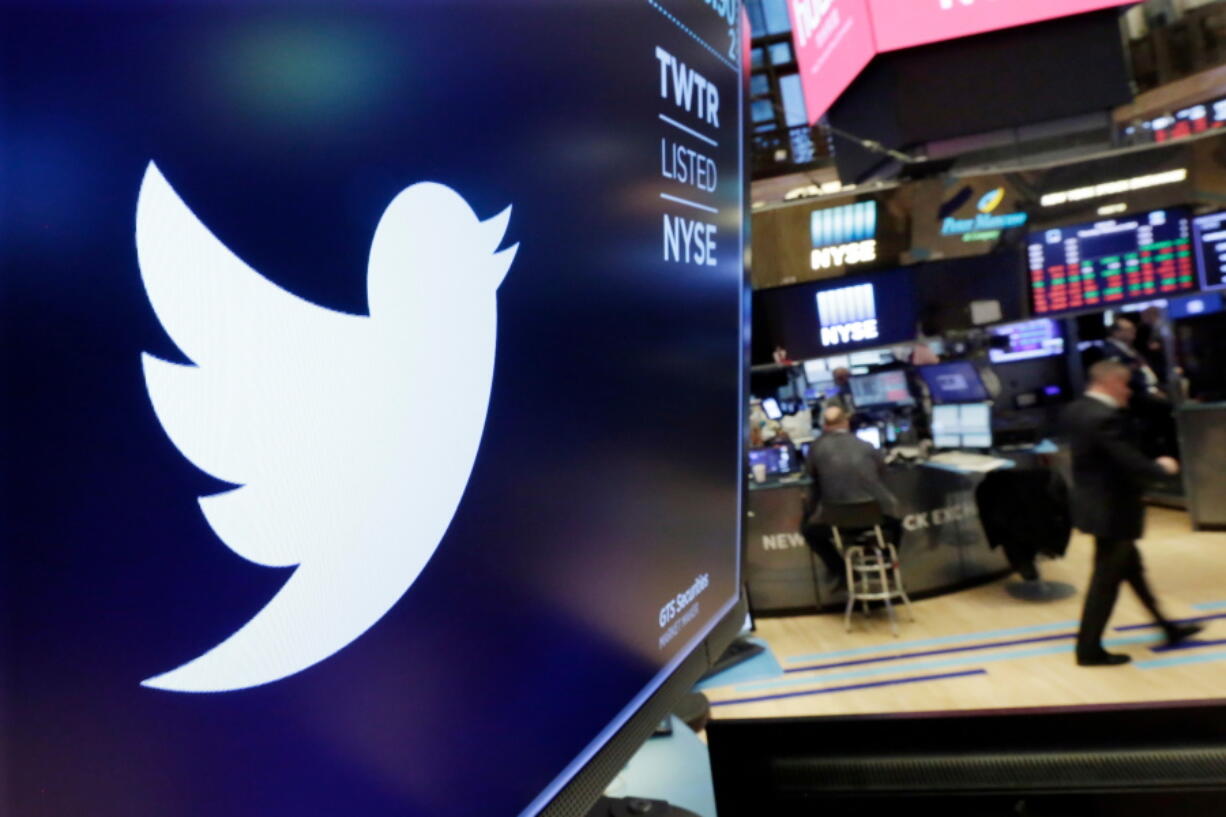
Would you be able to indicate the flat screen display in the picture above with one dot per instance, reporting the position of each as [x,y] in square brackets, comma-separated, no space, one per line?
[870,435]
[1134,258]
[968,425]
[832,318]
[1193,306]
[817,373]
[881,389]
[249,248]
[955,382]
[778,459]
[946,427]
[1027,340]
[1209,232]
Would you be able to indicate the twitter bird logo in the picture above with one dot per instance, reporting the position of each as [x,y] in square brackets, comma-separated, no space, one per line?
[320,417]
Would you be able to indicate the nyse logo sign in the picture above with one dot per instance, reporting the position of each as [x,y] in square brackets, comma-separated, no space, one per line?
[843,236]
[848,315]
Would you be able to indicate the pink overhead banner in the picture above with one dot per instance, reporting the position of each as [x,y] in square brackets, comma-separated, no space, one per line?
[836,39]
[906,23]
[834,42]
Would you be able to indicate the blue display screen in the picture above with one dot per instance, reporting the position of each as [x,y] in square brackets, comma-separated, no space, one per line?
[955,382]
[293,520]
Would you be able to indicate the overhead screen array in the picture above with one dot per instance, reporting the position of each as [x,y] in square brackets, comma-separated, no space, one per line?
[275,256]
[1111,262]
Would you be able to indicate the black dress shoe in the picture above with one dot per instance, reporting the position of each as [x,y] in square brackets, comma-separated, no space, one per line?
[1179,633]
[1103,659]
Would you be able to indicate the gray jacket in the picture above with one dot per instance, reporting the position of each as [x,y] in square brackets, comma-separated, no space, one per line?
[845,468]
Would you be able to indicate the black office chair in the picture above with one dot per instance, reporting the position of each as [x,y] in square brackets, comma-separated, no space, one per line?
[873,570]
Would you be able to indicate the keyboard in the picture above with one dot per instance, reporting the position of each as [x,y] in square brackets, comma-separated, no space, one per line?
[966,461]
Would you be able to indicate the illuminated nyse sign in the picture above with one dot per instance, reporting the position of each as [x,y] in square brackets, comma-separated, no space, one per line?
[986,225]
[848,315]
[844,236]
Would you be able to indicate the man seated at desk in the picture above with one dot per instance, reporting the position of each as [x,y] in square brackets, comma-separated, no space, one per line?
[843,469]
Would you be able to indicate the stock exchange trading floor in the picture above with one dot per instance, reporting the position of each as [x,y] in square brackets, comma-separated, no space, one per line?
[985,649]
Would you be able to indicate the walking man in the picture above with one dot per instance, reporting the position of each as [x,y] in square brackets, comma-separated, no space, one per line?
[1109,476]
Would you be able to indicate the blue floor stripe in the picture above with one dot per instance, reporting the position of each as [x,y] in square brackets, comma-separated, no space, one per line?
[1209,605]
[829,690]
[1190,645]
[937,665]
[906,656]
[1151,625]
[1181,658]
[934,642]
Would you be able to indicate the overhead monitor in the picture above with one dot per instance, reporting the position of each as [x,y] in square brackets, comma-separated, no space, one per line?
[1111,262]
[881,389]
[832,318]
[1027,340]
[954,382]
[1209,233]
[1194,306]
[242,244]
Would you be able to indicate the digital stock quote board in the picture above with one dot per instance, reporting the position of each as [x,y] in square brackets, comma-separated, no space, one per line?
[1116,261]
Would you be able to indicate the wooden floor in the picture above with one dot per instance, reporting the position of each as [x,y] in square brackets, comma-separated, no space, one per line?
[982,648]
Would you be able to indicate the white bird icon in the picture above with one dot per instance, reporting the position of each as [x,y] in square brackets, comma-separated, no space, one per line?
[319,416]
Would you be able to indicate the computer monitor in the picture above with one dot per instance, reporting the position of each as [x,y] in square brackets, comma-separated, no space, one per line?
[946,427]
[870,435]
[817,373]
[966,425]
[873,357]
[881,389]
[778,459]
[250,559]
[976,422]
[954,382]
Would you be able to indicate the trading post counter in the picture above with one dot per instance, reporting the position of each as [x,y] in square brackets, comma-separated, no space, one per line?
[943,544]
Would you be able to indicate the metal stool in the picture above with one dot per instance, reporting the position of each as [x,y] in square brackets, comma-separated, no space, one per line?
[873,571]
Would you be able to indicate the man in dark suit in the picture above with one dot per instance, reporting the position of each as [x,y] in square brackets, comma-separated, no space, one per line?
[1109,476]
[844,468]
